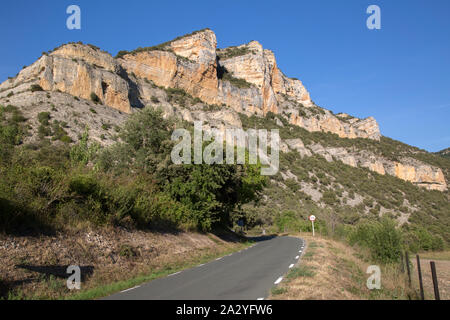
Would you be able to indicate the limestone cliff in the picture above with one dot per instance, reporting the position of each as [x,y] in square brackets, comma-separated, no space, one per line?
[78,70]
[245,78]
[409,169]
[225,82]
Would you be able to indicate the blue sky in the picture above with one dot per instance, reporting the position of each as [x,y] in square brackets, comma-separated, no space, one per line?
[399,74]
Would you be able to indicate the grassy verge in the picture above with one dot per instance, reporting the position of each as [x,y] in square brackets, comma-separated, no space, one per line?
[331,270]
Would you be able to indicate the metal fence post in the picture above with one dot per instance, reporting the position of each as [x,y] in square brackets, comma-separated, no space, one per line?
[435,282]
[402,266]
[419,270]
[407,267]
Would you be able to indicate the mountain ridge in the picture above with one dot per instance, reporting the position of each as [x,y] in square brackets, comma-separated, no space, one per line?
[192,79]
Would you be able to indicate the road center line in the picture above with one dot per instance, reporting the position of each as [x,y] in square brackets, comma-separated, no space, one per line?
[278,280]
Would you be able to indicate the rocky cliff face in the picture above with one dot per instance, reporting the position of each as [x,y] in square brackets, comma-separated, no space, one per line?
[243,79]
[80,71]
[409,169]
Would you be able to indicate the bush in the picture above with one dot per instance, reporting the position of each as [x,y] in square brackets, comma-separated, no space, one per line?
[43,118]
[329,197]
[36,87]
[44,131]
[95,98]
[18,117]
[66,139]
[84,185]
[382,239]
[10,134]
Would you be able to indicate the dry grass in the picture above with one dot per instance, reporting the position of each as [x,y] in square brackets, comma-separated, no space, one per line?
[443,276]
[331,270]
[443,255]
[34,267]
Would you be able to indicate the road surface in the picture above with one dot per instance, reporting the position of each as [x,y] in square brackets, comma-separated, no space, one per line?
[246,275]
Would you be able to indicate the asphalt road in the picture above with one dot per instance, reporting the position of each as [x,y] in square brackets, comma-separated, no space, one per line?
[246,275]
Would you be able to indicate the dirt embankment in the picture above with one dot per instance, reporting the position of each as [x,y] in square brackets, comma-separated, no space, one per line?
[35,267]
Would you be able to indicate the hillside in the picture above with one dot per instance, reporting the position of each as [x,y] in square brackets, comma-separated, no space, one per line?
[78,98]
[444,153]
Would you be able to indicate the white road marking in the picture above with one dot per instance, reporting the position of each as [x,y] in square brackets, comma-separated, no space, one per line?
[300,251]
[174,273]
[218,259]
[201,265]
[129,289]
[297,257]
[278,280]
[292,265]
[260,299]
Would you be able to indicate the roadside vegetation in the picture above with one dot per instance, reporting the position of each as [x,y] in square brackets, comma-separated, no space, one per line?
[63,189]
[132,182]
[331,269]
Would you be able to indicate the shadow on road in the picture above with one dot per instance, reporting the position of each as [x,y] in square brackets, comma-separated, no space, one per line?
[262,238]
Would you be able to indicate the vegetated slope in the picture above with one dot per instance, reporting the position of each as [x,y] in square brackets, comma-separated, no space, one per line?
[341,196]
[444,153]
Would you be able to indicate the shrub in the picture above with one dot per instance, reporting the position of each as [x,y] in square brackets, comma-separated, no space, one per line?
[44,131]
[36,87]
[381,238]
[84,185]
[10,134]
[43,118]
[95,98]
[329,197]
[18,117]
[66,139]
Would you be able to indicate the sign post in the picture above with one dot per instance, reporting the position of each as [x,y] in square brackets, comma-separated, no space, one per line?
[312,218]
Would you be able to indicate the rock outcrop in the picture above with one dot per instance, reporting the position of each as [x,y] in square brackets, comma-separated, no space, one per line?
[245,78]
[412,170]
[80,71]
